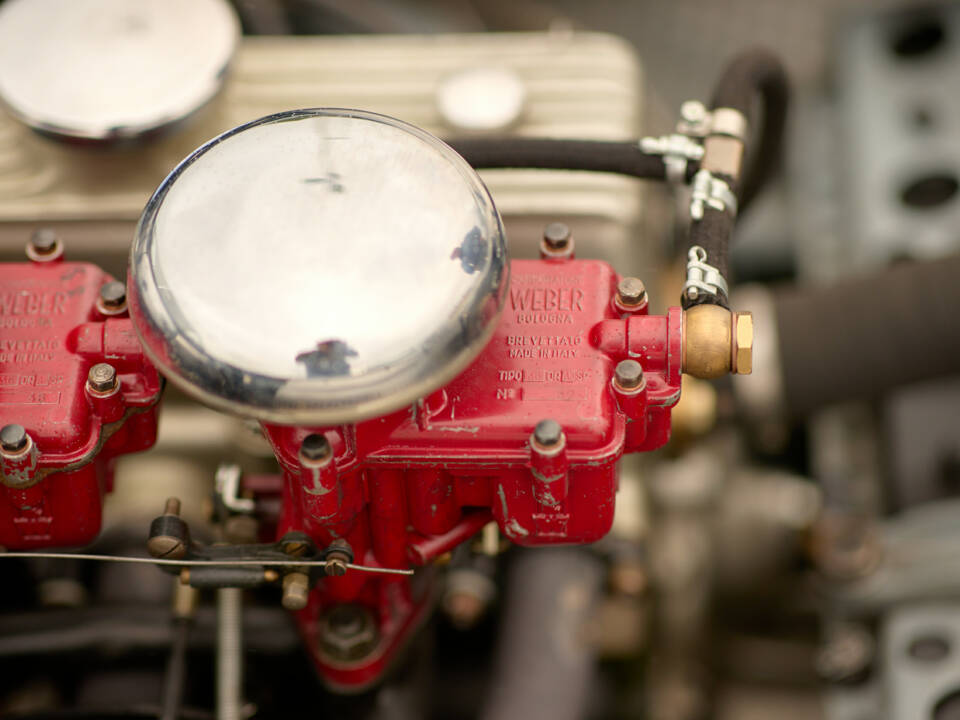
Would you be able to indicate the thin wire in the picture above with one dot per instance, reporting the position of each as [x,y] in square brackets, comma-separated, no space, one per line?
[197,563]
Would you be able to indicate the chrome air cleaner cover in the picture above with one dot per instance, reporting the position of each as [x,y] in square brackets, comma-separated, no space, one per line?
[317,267]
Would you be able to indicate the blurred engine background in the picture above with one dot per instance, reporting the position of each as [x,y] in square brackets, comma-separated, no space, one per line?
[791,554]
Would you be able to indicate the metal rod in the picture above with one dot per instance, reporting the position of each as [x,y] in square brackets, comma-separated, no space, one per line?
[196,563]
[173,681]
[229,653]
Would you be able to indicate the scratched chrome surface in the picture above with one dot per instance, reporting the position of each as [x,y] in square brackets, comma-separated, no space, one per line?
[318,267]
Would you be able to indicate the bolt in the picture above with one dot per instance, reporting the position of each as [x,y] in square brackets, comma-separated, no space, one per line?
[631,292]
[102,378]
[348,632]
[315,447]
[548,433]
[172,506]
[556,236]
[113,295]
[296,590]
[44,242]
[628,375]
[13,438]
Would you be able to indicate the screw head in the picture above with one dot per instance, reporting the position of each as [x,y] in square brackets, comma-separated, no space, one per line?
[628,374]
[102,377]
[556,235]
[166,546]
[113,295]
[315,447]
[631,291]
[13,438]
[44,241]
[548,433]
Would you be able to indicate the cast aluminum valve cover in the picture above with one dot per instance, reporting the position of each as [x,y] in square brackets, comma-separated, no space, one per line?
[317,267]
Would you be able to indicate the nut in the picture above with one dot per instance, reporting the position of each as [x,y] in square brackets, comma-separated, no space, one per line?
[348,632]
[556,236]
[548,433]
[113,295]
[102,378]
[13,438]
[628,375]
[44,246]
[743,343]
[631,292]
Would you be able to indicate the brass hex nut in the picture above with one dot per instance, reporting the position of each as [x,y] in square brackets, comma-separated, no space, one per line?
[742,343]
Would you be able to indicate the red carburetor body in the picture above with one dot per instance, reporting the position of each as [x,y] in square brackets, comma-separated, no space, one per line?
[404,489]
[60,433]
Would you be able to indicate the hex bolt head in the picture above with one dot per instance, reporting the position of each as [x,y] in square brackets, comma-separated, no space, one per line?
[296,591]
[113,295]
[548,433]
[13,438]
[742,343]
[348,632]
[631,292]
[315,447]
[556,236]
[628,374]
[102,377]
[44,241]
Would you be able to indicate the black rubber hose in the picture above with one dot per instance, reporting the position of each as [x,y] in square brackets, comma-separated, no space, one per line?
[623,158]
[753,75]
[757,74]
[861,338]
[713,234]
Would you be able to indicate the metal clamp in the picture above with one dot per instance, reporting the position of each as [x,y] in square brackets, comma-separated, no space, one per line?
[698,122]
[701,276]
[677,151]
[712,192]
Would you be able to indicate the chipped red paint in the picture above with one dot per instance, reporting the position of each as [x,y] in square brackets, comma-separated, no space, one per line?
[51,334]
[402,489]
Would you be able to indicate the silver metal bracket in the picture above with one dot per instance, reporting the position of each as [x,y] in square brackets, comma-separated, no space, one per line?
[710,192]
[677,151]
[227,486]
[702,277]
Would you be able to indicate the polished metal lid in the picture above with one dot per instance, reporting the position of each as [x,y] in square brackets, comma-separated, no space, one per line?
[317,267]
[107,71]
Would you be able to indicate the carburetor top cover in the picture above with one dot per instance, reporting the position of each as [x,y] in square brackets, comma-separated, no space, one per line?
[318,267]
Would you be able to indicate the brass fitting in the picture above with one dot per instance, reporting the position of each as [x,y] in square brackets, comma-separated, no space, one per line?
[716,342]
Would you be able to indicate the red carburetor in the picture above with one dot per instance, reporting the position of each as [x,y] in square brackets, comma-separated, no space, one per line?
[75,392]
[342,277]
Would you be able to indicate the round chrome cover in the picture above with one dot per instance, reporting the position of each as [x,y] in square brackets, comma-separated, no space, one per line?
[112,70]
[318,267]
